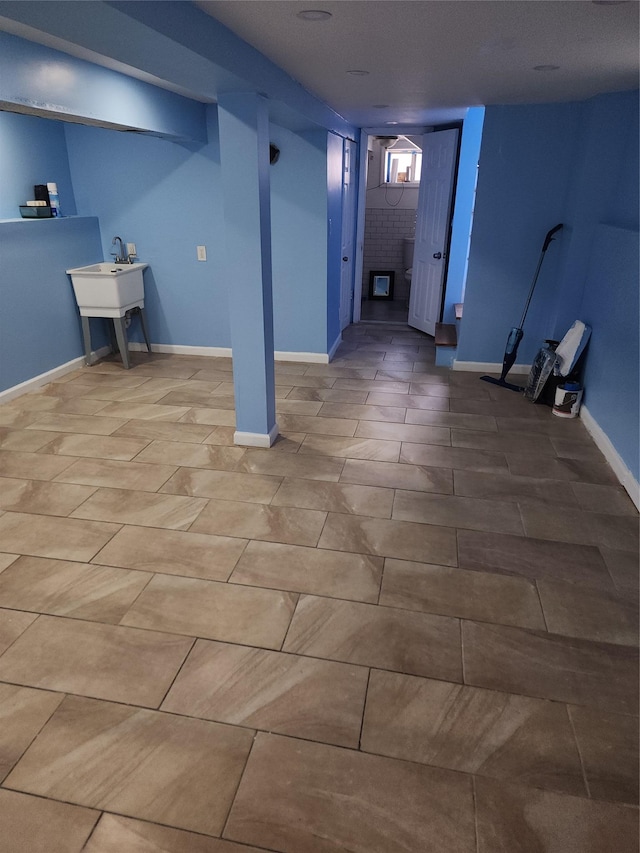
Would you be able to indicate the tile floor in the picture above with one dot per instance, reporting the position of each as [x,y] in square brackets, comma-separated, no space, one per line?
[409,627]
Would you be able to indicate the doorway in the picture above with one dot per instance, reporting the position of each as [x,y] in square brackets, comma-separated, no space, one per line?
[399,195]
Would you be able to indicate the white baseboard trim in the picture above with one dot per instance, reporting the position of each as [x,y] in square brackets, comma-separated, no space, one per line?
[489,367]
[211,352]
[256,439]
[307,357]
[49,376]
[603,442]
[226,352]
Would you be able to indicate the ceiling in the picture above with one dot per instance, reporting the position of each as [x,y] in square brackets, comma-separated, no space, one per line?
[428,60]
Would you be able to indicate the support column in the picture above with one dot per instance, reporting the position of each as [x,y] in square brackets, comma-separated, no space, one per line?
[244,154]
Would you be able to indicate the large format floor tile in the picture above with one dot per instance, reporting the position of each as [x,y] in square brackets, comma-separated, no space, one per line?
[312,699]
[172,552]
[115,834]
[476,731]
[454,511]
[112,473]
[533,558]
[197,608]
[222,484]
[312,570]
[597,675]
[409,625]
[335,497]
[42,826]
[23,712]
[480,596]
[405,540]
[143,764]
[62,588]
[12,624]
[608,745]
[324,798]
[59,538]
[383,637]
[143,508]
[592,614]
[42,497]
[289,525]
[511,819]
[91,659]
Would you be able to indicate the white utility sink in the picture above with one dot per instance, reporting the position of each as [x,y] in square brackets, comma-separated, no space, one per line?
[108,289]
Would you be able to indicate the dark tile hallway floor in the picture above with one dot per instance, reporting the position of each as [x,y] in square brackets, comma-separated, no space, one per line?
[411,626]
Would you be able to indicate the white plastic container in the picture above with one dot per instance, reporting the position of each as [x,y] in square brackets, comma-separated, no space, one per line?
[54,200]
[567,401]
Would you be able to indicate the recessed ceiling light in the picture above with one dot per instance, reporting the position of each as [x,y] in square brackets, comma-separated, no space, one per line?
[546,67]
[314,15]
[391,122]
[356,72]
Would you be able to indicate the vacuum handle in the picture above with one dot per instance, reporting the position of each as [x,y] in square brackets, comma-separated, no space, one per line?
[549,237]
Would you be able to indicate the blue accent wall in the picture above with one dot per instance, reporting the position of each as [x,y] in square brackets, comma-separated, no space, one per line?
[526,160]
[299,240]
[32,151]
[463,210]
[39,321]
[38,77]
[164,196]
[573,163]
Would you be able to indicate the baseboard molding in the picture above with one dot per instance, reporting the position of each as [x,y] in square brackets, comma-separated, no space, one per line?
[489,367]
[306,357]
[211,352]
[603,442]
[49,376]
[226,352]
[256,439]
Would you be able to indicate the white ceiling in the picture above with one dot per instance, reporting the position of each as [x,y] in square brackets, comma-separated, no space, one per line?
[428,60]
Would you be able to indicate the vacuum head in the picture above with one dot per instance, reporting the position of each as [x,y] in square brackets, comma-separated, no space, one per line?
[502,383]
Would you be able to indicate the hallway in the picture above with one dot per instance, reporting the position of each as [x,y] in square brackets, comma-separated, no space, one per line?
[408,627]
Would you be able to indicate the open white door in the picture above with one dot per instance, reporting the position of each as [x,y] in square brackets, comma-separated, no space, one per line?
[348,230]
[432,228]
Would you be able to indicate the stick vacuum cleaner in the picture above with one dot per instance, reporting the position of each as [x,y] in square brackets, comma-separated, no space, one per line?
[516,334]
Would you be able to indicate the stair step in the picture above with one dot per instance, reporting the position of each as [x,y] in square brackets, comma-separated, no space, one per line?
[446,335]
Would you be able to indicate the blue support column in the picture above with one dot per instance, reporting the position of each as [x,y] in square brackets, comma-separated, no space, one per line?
[244,153]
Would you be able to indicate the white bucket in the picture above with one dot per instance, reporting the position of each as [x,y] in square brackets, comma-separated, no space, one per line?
[567,401]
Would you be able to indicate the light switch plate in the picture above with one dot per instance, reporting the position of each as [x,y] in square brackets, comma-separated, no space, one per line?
[202,253]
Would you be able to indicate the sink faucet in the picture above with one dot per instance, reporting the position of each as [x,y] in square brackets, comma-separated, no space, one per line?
[119,255]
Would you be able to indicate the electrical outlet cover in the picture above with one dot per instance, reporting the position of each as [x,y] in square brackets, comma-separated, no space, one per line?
[131,249]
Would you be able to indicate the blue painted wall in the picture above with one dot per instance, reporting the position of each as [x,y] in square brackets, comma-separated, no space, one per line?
[463,210]
[526,160]
[38,77]
[299,240]
[32,151]
[574,163]
[39,320]
[164,196]
[610,306]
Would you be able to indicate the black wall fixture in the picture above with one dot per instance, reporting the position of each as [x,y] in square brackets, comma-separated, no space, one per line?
[274,154]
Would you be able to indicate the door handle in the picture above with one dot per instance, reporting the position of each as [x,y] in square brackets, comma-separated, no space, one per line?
[437,256]
[345,258]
